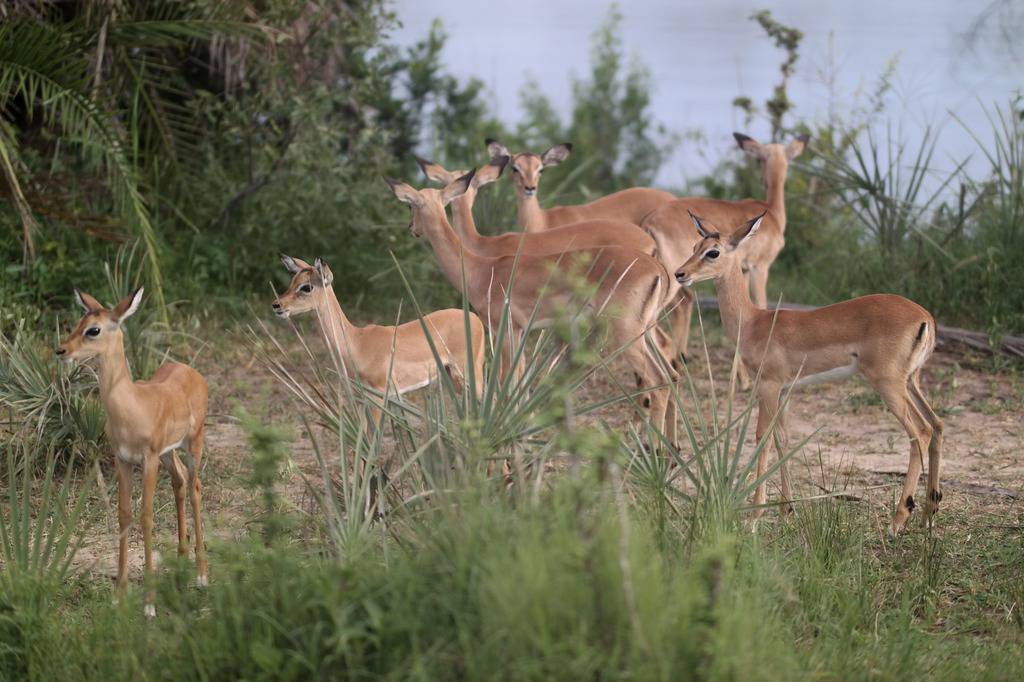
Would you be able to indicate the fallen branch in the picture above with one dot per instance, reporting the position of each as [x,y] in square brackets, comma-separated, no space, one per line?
[1008,345]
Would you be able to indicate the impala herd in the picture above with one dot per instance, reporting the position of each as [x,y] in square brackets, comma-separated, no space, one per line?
[634,256]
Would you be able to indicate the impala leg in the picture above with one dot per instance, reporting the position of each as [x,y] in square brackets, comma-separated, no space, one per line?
[897,398]
[150,467]
[934,446]
[781,448]
[195,488]
[665,366]
[682,316]
[124,519]
[645,367]
[178,474]
[767,407]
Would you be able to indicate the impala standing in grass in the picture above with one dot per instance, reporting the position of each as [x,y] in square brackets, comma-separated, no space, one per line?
[146,422]
[380,355]
[628,289]
[672,229]
[583,235]
[885,338]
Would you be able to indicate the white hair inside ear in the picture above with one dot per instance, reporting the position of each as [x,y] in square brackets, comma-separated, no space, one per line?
[136,302]
[81,301]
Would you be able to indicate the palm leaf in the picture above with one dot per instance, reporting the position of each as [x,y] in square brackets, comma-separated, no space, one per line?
[40,68]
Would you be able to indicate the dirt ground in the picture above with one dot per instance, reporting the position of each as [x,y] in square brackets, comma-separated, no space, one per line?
[855,445]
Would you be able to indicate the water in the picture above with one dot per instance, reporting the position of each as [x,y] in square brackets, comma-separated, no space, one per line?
[703,54]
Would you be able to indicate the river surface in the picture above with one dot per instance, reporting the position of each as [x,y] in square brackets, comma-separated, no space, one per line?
[703,54]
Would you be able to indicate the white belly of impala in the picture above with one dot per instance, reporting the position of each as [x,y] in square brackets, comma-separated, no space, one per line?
[835,374]
[174,446]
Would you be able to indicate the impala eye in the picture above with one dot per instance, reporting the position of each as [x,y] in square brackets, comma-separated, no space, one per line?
[92,331]
[515,169]
[712,254]
[306,288]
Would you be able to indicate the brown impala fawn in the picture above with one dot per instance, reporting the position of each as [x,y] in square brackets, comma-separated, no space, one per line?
[885,338]
[146,422]
[380,355]
[628,205]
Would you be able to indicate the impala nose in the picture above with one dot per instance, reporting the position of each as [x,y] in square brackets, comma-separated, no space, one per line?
[60,351]
[275,305]
[682,277]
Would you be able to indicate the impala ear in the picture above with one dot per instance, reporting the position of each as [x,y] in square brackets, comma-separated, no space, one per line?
[796,146]
[435,172]
[749,145]
[324,270]
[289,264]
[88,303]
[748,230]
[490,172]
[457,188]
[496,149]
[404,192]
[701,230]
[294,265]
[556,155]
[128,305]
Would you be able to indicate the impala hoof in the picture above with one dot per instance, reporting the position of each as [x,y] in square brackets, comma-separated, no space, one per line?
[149,611]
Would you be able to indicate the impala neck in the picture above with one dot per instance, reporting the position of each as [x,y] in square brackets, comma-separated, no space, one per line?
[531,215]
[339,333]
[447,247]
[775,188]
[113,372]
[734,302]
[462,218]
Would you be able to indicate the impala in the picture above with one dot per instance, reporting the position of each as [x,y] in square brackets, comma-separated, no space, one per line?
[380,356]
[671,228]
[629,287]
[146,422]
[628,205]
[583,235]
[885,338]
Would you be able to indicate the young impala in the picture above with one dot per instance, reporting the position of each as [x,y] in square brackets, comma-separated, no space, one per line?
[885,338]
[146,422]
[671,227]
[628,288]
[583,235]
[380,355]
[628,205]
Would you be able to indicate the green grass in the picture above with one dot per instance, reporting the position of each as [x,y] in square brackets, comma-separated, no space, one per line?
[617,566]
[494,588]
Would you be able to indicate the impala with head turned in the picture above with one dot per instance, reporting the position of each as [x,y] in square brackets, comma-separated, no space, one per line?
[628,205]
[384,356]
[146,422]
[628,288]
[885,338]
[671,228]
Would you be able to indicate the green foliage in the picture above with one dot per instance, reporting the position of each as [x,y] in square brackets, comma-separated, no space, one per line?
[55,405]
[788,39]
[610,121]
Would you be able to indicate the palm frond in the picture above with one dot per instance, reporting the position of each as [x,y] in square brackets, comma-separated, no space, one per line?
[38,69]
